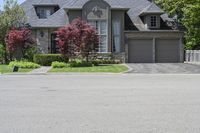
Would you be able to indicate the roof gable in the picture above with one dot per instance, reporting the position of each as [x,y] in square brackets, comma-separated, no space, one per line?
[152,9]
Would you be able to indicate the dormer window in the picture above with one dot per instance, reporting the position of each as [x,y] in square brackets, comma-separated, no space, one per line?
[153,22]
[44,11]
[151,16]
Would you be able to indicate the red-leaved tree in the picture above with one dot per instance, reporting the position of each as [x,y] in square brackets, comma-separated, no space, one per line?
[77,38]
[18,41]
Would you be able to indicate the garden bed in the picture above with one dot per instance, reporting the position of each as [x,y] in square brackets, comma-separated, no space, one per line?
[117,68]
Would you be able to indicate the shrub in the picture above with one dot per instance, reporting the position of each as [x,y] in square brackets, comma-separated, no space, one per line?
[2,53]
[47,59]
[80,63]
[23,64]
[97,62]
[29,53]
[57,64]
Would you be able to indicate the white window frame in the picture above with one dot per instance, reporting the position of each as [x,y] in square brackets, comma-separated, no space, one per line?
[99,32]
[152,21]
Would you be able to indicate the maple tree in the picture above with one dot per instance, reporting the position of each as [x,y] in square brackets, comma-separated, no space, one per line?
[19,39]
[77,39]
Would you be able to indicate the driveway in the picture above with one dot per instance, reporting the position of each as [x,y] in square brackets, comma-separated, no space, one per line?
[165,68]
[122,103]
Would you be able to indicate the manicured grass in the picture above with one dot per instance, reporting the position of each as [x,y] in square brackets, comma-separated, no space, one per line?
[7,69]
[101,68]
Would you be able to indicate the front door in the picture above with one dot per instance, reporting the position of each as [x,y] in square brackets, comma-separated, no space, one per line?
[54,46]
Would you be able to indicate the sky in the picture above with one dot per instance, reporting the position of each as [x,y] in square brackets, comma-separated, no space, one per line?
[1,3]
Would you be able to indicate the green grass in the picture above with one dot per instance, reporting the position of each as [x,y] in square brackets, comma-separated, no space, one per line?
[95,69]
[7,69]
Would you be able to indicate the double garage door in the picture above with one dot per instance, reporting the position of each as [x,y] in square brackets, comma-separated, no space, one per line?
[163,51]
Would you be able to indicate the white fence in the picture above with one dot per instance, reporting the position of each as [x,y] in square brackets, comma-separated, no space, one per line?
[192,56]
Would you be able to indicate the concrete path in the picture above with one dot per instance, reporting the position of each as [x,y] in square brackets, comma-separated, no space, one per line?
[126,103]
[41,70]
[165,68]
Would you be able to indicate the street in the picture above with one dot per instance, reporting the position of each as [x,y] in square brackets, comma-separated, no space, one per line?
[115,103]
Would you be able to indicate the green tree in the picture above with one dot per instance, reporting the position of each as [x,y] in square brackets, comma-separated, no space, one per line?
[188,13]
[12,16]
[191,21]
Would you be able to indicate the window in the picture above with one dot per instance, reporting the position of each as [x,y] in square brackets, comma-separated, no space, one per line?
[116,36]
[153,22]
[101,27]
[43,13]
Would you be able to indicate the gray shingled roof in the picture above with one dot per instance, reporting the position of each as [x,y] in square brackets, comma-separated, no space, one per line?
[60,18]
[152,8]
[79,4]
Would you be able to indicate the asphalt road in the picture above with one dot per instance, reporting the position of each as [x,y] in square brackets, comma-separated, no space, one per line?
[100,104]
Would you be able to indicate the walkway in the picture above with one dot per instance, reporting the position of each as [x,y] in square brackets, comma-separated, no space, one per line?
[41,70]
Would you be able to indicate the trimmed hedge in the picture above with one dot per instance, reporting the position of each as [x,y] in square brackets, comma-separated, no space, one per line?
[97,62]
[23,64]
[47,59]
[57,64]
[80,64]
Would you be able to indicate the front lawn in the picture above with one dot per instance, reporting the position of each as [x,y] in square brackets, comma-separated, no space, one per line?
[7,69]
[101,68]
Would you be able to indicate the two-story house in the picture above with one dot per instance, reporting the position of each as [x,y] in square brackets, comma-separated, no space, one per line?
[136,31]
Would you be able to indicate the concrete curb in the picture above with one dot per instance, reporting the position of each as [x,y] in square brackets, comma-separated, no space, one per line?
[129,69]
[101,74]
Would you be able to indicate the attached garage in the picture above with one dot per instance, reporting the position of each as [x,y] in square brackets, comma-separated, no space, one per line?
[167,51]
[140,51]
[154,47]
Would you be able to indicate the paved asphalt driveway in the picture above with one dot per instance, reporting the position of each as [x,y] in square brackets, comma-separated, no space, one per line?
[122,103]
[165,68]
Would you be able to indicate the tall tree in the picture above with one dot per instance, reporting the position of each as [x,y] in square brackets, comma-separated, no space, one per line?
[12,16]
[188,13]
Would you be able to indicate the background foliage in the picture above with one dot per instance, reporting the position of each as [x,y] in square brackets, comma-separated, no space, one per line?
[187,13]
[12,16]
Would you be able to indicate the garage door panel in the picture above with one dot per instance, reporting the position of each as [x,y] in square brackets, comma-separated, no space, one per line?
[140,51]
[167,51]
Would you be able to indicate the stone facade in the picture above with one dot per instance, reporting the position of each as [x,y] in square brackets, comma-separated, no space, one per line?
[43,39]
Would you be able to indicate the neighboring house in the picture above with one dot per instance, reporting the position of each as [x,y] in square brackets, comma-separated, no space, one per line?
[136,31]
